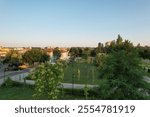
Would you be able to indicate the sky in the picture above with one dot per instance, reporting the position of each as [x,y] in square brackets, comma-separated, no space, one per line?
[66,23]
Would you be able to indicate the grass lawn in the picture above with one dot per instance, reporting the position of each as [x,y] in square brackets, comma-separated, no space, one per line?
[89,74]
[25,93]
[21,93]
[16,93]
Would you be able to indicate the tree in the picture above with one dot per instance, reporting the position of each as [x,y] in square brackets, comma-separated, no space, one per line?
[100,48]
[119,40]
[86,53]
[144,52]
[47,80]
[35,55]
[119,45]
[14,59]
[44,57]
[56,53]
[74,52]
[122,77]
[93,52]
[100,60]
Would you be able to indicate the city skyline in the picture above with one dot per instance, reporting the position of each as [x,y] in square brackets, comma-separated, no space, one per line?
[78,23]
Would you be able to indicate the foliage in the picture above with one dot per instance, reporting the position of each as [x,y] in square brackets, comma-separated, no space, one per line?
[119,45]
[122,76]
[56,53]
[144,52]
[48,77]
[100,48]
[13,58]
[86,91]
[100,60]
[93,52]
[148,71]
[63,62]
[35,55]
[74,52]
[86,53]
[10,83]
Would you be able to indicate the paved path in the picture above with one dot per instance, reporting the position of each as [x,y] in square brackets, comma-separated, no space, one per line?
[64,85]
[15,74]
[12,73]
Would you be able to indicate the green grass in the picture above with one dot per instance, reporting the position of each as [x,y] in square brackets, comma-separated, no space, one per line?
[25,93]
[21,92]
[89,74]
[16,93]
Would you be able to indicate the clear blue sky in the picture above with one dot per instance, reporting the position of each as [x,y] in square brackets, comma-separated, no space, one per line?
[73,22]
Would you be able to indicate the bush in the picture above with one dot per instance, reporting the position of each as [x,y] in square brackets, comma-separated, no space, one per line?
[47,79]
[148,70]
[28,77]
[8,83]
[122,76]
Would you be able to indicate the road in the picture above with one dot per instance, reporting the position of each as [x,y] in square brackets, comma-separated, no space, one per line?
[13,74]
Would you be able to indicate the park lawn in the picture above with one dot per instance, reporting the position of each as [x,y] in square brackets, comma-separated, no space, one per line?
[16,93]
[25,93]
[89,74]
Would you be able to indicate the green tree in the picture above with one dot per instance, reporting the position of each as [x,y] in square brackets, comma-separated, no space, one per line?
[14,59]
[93,52]
[100,48]
[119,40]
[86,90]
[119,45]
[100,60]
[74,52]
[56,53]
[47,80]
[44,57]
[144,52]
[35,55]
[86,53]
[122,77]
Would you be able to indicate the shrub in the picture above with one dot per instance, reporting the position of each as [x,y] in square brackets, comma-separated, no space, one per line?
[148,70]
[8,82]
